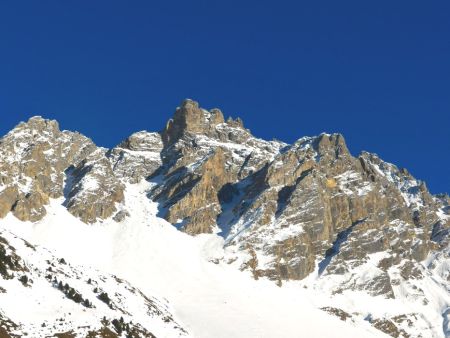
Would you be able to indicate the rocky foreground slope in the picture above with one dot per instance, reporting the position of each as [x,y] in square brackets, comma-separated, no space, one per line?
[309,213]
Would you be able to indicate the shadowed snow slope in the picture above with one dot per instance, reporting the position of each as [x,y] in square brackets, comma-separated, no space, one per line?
[209,297]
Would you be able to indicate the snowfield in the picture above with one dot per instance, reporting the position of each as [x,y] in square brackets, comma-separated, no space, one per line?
[209,297]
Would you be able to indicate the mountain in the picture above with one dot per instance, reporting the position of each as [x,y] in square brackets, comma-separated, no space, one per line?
[204,230]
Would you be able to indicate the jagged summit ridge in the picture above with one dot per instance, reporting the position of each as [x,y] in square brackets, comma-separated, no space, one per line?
[286,212]
[191,118]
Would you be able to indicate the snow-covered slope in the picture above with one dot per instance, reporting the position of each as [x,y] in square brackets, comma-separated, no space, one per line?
[42,295]
[210,297]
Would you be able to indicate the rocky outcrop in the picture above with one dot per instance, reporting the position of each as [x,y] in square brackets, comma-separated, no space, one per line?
[93,190]
[34,160]
[315,202]
[193,199]
[137,157]
[202,154]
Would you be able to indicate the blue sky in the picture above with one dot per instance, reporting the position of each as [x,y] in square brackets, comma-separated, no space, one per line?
[378,71]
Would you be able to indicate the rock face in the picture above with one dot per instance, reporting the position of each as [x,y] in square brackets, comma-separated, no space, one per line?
[93,188]
[321,203]
[285,211]
[295,208]
[202,154]
[137,157]
[39,162]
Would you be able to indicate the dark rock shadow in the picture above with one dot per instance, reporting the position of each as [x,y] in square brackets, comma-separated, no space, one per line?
[286,192]
[236,198]
[342,237]
[69,183]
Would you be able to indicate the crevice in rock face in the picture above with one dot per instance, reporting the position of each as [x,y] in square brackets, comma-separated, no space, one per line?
[283,196]
[244,165]
[179,193]
[109,155]
[335,248]
[237,198]
[230,195]
[285,193]
[69,183]
[227,193]
[181,190]
[439,233]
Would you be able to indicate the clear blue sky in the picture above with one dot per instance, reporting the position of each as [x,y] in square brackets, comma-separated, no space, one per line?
[376,71]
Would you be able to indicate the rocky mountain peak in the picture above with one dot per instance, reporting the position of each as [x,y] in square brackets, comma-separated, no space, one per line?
[35,130]
[137,157]
[36,162]
[334,144]
[39,124]
[235,123]
[142,141]
[190,119]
